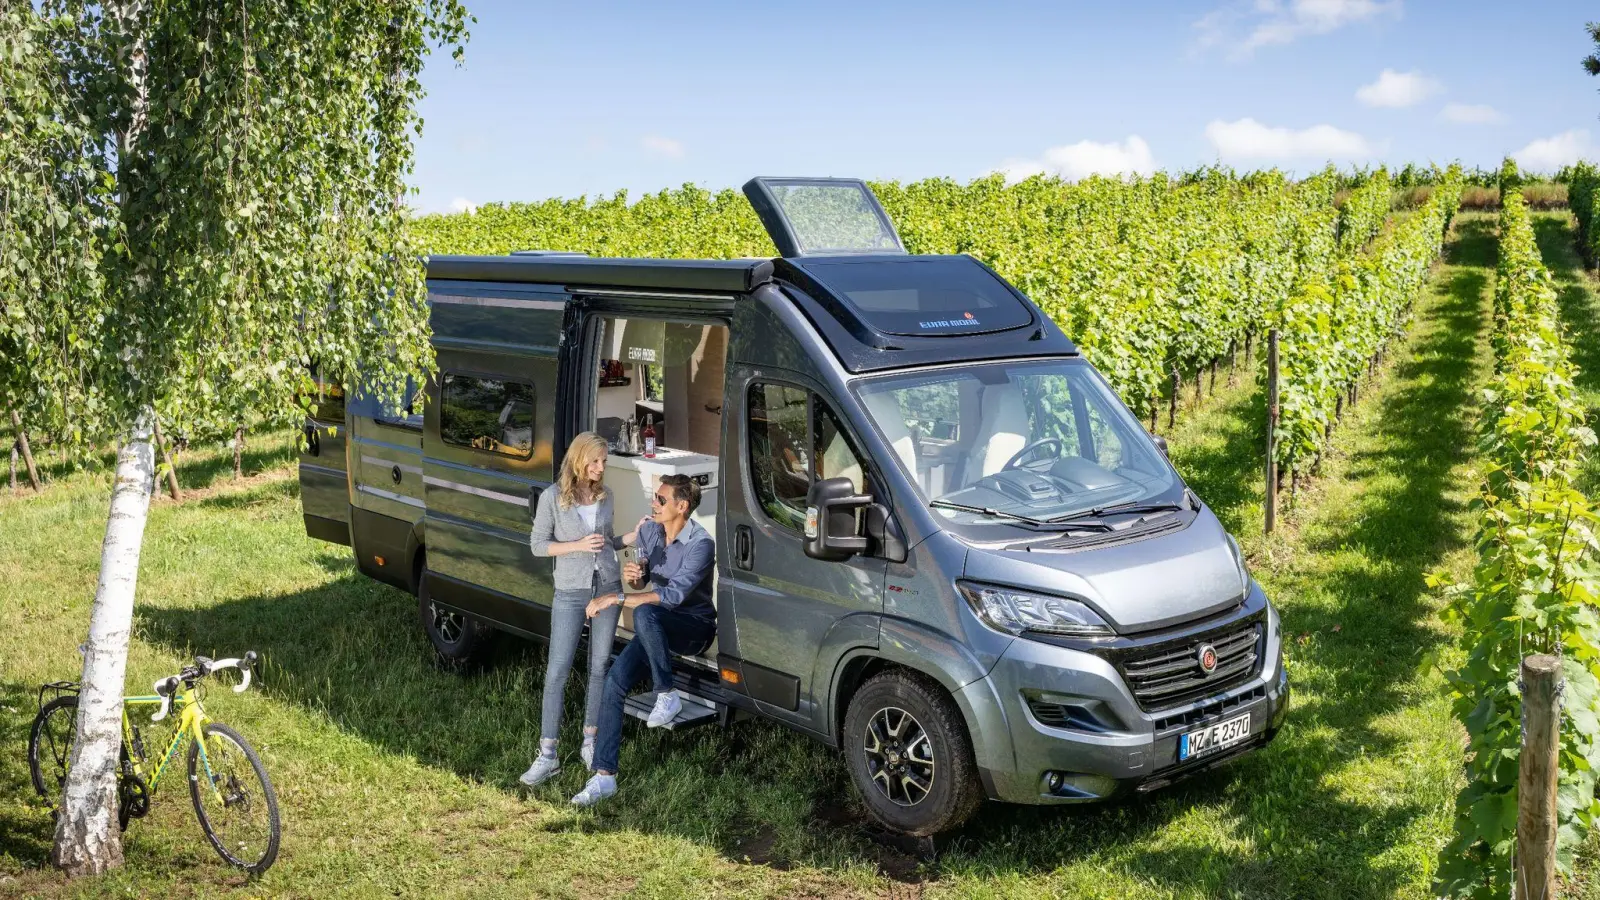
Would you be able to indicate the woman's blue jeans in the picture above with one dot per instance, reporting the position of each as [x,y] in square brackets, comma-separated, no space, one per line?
[566,627]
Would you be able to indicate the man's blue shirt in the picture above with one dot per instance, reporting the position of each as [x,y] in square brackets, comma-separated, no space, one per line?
[680,572]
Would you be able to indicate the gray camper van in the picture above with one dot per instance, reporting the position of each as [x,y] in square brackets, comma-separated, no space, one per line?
[943,544]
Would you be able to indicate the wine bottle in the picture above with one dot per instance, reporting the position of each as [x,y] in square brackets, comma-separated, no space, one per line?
[649,437]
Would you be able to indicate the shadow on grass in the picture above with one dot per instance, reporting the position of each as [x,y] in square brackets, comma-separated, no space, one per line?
[1580,315]
[1275,823]
[25,834]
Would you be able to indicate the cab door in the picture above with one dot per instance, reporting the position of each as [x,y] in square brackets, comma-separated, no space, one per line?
[787,608]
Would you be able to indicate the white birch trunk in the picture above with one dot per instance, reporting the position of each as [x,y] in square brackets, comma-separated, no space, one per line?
[88,841]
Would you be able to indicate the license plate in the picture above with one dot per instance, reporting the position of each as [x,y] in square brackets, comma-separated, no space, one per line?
[1213,737]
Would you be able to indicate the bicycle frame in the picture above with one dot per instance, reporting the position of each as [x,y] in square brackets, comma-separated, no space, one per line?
[192,720]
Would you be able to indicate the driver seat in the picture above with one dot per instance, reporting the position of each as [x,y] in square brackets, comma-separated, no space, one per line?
[1002,431]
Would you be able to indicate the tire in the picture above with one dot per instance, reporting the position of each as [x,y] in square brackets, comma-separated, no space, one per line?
[244,829]
[908,752]
[460,642]
[55,730]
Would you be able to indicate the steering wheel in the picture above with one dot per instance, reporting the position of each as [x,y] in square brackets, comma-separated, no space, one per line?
[1015,462]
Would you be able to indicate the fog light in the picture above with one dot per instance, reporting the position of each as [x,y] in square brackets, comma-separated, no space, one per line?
[1053,781]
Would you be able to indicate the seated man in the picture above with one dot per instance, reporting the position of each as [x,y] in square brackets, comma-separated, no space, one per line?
[676,616]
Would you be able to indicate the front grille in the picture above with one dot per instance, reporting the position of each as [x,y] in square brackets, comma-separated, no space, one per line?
[1169,674]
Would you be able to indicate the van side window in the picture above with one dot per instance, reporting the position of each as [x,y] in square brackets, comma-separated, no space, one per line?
[795,439]
[487,414]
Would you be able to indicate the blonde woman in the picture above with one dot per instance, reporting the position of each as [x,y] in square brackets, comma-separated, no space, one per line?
[573,524]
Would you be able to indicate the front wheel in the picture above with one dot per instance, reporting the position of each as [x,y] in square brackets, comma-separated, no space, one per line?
[907,749]
[234,800]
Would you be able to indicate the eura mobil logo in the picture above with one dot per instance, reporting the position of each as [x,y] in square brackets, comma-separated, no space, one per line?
[967,319]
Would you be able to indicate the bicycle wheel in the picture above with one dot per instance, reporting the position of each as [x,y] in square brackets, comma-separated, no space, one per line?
[235,802]
[55,730]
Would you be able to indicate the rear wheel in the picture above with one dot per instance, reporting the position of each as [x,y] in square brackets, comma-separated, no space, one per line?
[234,800]
[909,755]
[460,642]
[55,730]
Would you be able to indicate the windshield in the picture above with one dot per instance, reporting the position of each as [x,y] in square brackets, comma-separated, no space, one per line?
[1033,440]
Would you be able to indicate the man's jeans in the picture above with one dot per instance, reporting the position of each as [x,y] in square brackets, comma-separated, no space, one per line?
[658,633]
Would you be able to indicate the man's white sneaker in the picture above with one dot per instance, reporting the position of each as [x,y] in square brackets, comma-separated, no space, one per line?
[667,708]
[598,788]
[543,769]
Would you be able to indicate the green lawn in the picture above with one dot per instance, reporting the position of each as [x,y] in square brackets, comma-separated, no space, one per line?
[397,779]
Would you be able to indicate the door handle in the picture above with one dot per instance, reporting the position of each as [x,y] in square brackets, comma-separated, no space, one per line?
[743,547]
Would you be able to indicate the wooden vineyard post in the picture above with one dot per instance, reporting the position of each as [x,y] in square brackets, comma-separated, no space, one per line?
[1536,778]
[27,451]
[172,470]
[1172,408]
[1272,429]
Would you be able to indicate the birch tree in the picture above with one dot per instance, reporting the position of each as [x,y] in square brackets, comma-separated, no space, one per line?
[258,152]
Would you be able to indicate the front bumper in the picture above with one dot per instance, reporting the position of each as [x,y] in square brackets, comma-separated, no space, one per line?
[1114,746]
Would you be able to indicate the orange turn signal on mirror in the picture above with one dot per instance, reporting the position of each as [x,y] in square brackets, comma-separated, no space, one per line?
[731,676]
[378,560]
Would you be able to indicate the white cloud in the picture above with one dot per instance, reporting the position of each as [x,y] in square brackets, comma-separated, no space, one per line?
[1085,158]
[1242,28]
[662,146]
[1396,90]
[1551,153]
[1248,139]
[1471,114]
[463,205]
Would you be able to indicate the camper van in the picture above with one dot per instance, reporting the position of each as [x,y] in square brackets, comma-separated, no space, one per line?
[943,545]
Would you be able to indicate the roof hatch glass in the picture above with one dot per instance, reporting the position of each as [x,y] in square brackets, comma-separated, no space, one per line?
[822,216]
[922,296]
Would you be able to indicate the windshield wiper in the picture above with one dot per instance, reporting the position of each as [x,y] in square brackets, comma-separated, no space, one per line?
[990,511]
[1116,509]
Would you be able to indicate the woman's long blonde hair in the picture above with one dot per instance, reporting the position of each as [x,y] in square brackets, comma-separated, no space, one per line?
[573,487]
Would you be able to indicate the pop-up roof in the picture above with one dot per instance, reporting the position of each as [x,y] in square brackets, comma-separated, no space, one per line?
[834,233]
[822,216]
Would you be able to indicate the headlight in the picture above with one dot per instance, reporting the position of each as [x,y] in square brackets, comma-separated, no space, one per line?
[1014,611]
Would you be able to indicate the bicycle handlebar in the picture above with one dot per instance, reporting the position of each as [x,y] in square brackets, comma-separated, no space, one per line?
[167,687]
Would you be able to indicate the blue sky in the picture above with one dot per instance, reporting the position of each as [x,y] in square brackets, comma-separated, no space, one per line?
[589,98]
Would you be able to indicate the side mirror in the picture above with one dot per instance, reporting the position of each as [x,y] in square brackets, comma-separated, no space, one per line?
[1161,444]
[831,531]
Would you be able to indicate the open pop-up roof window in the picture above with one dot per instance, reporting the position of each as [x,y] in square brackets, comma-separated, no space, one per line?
[822,216]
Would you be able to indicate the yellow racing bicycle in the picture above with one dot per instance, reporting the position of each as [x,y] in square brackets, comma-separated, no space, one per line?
[233,798]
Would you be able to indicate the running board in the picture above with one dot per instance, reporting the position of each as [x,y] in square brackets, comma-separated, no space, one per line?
[696,710]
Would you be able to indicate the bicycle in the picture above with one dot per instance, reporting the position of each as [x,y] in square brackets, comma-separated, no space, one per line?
[234,801]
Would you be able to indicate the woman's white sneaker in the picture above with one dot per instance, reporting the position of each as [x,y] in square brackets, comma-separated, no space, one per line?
[598,788]
[668,705]
[543,769]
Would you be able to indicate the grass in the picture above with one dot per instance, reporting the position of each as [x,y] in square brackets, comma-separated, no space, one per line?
[398,779]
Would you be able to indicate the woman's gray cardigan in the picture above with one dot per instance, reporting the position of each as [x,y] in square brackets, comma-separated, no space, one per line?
[575,571]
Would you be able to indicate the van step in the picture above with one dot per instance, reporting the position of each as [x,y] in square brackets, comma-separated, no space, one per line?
[696,710]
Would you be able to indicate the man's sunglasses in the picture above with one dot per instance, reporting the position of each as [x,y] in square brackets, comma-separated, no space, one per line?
[660,500]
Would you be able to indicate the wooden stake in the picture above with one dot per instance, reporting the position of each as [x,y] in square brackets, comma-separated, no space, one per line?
[1536,778]
[1172,407]
[27,452]
[172,470]
[1271,508]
